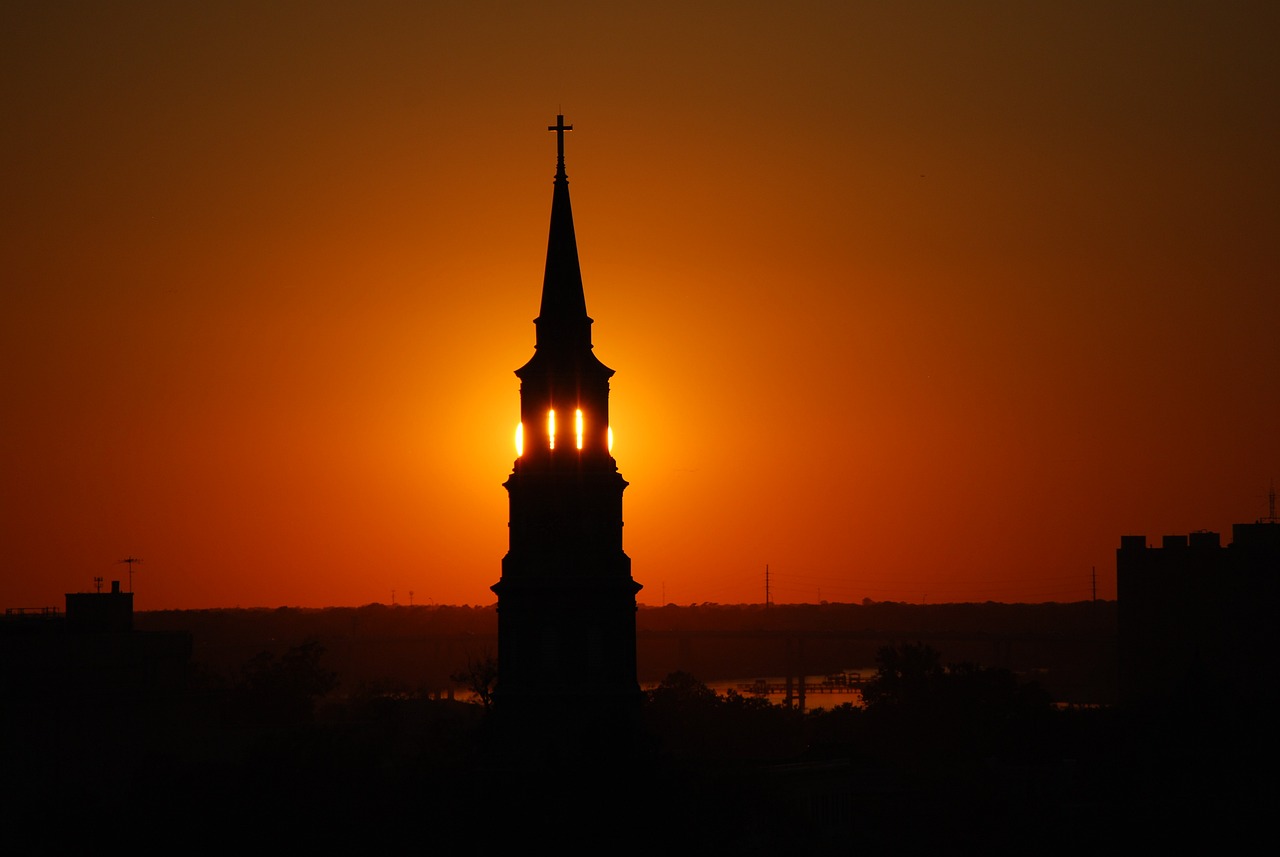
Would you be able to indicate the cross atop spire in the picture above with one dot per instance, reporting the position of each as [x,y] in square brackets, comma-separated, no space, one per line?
[560,128]
[563,319]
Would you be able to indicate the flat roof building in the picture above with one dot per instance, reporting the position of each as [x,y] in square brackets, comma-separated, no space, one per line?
[1195,616]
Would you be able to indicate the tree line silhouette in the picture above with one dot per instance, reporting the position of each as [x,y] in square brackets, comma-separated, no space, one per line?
[961,756]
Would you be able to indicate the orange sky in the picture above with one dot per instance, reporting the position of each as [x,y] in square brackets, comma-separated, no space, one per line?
[909,301]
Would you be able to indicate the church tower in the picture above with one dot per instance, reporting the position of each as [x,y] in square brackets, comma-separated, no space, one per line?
[566,600]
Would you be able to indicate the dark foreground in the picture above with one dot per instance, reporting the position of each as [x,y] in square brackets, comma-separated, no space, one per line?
[964,760]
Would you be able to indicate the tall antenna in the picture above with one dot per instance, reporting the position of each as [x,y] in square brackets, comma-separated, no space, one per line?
[766,586]
[1271,506]
[130,560]
[97,584]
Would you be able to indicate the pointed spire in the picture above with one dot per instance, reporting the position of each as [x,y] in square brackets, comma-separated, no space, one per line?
[562,319]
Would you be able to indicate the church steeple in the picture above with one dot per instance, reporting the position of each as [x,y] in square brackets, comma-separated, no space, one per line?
[566,600]
[564,389]
[562,320]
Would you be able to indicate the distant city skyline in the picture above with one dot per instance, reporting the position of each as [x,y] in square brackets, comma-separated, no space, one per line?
[916,302]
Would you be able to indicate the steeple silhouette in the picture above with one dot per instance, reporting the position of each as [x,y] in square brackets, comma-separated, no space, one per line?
[562,317]
[566,600]
[564,375]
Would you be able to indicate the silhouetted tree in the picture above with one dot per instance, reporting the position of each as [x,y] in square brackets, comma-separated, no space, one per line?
[282,691]
[681,691]
[693,721]
[928,716]
[911,678]
[480,676]
[904,674]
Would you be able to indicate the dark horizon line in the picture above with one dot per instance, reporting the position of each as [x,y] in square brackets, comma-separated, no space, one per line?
[758,604]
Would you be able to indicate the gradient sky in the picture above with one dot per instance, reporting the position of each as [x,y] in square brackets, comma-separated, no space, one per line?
[907,301]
